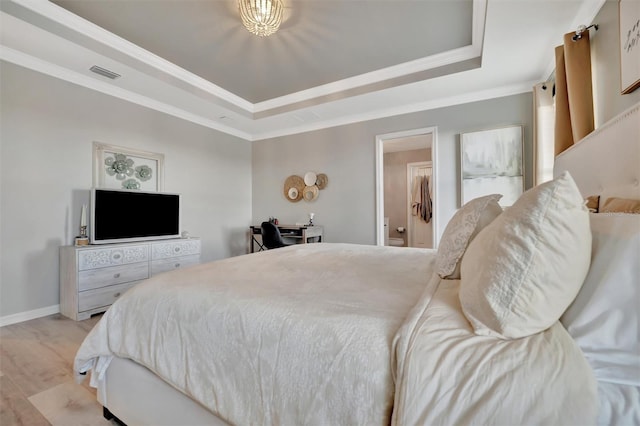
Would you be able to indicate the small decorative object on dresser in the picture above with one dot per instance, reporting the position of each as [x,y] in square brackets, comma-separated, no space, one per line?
[93,277]
[83,239]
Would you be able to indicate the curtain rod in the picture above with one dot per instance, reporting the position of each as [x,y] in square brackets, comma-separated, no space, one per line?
[581,29]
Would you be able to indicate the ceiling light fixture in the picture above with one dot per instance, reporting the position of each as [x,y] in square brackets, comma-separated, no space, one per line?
[261,17]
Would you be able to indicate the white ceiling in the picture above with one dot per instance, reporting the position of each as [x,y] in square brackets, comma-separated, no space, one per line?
[331,63]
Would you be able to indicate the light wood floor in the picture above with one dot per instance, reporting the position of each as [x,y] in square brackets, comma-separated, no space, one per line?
[36,378]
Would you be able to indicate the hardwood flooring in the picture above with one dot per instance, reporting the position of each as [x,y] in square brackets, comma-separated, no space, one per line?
[37,386]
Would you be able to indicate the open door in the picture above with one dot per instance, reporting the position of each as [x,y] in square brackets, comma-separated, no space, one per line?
[419,232]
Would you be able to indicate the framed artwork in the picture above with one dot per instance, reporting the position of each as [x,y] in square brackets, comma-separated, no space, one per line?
[629,13]
[491,163]
[117,167]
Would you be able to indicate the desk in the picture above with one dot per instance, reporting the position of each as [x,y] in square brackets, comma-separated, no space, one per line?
[301,233]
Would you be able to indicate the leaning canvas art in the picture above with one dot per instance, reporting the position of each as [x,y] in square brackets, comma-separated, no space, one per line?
[491,163]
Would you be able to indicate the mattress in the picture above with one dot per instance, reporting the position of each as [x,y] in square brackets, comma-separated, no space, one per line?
[139,397]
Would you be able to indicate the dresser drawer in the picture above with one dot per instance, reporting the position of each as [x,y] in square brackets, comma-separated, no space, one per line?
[105,257]
[96,278]
[92,299]
[164,265]
[174,248]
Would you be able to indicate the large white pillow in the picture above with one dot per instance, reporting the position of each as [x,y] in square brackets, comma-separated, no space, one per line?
[525,268]
[604,319]
[461,229]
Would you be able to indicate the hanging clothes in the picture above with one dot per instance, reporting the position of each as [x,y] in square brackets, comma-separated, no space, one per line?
[426,212]
[421,204]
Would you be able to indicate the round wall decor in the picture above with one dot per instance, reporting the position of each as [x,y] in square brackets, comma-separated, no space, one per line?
[310,193]
[322,180]
[310,178]
[293,187]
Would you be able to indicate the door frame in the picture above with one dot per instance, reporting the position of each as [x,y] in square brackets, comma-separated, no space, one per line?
[380,140]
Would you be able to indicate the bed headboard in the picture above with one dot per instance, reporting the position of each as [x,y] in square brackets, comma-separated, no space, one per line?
[607,161]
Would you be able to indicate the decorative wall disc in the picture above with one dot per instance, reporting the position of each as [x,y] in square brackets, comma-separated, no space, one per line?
[322,180]
[293,187]
[309,178]
[310,193]
[293,193]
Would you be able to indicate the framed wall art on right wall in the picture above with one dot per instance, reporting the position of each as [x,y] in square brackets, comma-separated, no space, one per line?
[629,19]
[491,162]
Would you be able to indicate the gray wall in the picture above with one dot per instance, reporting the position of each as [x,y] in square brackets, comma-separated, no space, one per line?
[605,57]
[47,131]
[346,208]
[346,153]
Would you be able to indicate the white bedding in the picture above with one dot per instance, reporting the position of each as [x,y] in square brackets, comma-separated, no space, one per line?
[299,335]
[453,377]
[316,334]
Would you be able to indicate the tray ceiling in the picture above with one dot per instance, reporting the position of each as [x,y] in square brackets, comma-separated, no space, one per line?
[331,63]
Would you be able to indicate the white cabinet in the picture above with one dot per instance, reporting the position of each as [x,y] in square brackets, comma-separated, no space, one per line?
[93,277]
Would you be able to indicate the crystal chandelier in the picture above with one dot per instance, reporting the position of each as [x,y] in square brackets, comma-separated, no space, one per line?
[261,17]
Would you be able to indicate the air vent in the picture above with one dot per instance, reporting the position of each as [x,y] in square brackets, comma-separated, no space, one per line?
[104,72]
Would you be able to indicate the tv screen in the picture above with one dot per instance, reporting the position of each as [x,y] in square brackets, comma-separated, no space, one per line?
[122,215]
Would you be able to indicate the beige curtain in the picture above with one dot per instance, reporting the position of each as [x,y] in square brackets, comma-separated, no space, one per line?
[574,94]
[543,129]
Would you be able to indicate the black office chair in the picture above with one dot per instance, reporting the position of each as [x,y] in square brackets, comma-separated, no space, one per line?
[271,237]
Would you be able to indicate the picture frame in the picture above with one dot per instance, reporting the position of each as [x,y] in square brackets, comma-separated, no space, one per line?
[491,162]
[118,167]
[629,24]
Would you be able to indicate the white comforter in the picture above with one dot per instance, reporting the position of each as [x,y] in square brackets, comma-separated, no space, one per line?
[316,334]
[299,335]
[450,376]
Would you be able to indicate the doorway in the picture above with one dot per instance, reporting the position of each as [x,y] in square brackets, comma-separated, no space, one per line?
[410,140]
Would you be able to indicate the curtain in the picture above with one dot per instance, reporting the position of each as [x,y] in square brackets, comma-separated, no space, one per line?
[574,94]
[543,129]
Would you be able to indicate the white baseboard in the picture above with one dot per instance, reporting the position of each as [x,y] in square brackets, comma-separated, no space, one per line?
[29,315]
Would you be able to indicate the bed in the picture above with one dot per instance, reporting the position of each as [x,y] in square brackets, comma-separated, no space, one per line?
[350,334]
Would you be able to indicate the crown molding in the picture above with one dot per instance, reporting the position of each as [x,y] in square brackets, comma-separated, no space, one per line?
[474,50]
[482,95]
[70,21]
[389,73]
[27,61]
[88,29]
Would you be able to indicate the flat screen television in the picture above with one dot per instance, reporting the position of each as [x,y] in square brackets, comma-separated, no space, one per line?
[122,215]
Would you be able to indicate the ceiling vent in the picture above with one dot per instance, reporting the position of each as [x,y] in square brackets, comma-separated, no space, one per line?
[104,72]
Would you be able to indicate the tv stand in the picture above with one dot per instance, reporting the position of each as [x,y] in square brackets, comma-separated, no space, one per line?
[93,277]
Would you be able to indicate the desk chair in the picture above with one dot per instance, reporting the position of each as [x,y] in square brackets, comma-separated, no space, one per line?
[271,237]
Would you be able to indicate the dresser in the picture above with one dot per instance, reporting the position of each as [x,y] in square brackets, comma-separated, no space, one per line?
[93,277]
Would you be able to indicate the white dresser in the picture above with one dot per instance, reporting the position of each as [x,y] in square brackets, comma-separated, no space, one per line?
[93,277]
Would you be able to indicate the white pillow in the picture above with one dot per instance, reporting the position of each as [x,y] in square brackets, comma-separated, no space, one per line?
[522,271]
[461,229]
[604,318]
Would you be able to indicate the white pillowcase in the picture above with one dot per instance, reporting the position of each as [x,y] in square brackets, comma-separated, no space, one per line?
[461,229]
[604,319]
[525,268]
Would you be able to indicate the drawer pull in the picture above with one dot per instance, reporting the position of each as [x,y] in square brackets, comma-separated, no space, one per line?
[117,294]
[116,275]
[176,249]
[116,256]
[177,265]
